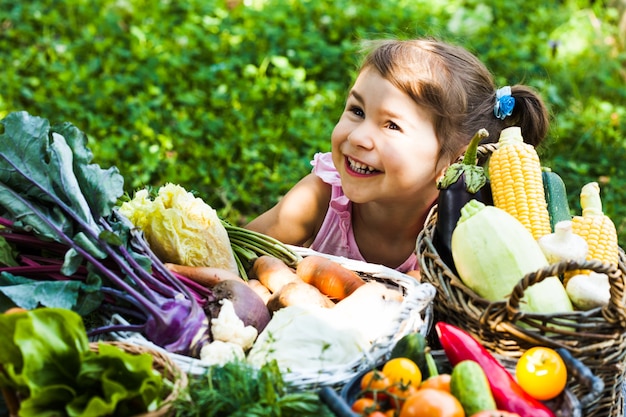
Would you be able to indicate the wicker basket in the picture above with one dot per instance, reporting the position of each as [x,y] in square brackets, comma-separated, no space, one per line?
[161,363]
[415,315]
[596,337]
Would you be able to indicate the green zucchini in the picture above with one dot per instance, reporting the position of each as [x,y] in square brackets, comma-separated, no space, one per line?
[493,251]
[556,197]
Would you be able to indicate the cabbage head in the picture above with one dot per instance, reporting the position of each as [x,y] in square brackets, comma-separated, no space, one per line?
[181,228]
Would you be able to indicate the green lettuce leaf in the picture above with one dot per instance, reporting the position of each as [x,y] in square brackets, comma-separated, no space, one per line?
[121,381]
[49,345]
[45,356]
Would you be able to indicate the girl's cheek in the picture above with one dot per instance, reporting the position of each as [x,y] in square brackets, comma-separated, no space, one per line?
[338,135]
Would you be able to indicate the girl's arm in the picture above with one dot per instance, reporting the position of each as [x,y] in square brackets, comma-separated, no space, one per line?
[297,217]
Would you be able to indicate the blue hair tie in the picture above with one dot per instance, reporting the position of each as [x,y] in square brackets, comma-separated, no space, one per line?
[504,103]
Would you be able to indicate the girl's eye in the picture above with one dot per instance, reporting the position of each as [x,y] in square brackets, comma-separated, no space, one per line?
[357,111]
[393,126]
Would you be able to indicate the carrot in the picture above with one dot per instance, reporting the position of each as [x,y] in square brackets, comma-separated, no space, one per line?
[298,293]
[260,289]
[204,275]
[328,276]
[272,272]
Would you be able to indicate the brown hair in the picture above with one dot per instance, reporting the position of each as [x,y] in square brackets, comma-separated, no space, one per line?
[457,89]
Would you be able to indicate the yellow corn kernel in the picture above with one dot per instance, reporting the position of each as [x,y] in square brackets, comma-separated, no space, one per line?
[517,184]
[595,227]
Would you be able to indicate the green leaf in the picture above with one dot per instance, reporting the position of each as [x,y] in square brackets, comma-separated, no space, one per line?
[45,355]
[7,253]
[24,143]
[21,209]
[237,389]
[118,379]
[28,169]
[31,293]
[49,401]
[43,166]
[51,344]
[90,297]
[472,175]
[90,176]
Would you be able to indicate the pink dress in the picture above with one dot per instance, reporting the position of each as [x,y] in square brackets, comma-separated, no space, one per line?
[336,236]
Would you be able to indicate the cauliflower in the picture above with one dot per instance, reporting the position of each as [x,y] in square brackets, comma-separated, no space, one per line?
[307,338]
[181,228]
[220,353]
[228,327]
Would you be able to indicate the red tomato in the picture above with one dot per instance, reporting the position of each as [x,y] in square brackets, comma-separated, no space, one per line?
[541,372]
[376,414]
[402,371]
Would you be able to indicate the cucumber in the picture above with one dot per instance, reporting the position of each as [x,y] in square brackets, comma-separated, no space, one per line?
[469,384]
[556,197]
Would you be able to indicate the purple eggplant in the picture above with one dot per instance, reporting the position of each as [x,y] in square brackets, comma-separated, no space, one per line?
[463,181]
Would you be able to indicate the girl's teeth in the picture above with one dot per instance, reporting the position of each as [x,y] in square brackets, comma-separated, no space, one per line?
[361,168]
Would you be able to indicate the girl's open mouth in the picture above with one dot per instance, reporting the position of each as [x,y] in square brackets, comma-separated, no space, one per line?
[360,168]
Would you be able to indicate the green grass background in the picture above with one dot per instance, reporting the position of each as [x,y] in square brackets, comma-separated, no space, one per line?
[231,99]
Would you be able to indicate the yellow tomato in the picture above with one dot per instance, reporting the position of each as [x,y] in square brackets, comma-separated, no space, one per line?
[541,372]
[402,371]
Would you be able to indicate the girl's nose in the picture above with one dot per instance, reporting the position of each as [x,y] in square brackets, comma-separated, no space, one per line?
[362,136]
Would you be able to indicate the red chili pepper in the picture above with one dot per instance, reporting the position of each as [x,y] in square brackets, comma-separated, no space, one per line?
[460,345]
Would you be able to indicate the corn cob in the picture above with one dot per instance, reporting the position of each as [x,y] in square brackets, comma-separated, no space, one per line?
[595,227]
[516,182]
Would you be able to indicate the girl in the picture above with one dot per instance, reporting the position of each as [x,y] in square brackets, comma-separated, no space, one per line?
[411,112]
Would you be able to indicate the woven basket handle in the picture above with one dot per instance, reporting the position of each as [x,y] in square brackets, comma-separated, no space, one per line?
[614,311]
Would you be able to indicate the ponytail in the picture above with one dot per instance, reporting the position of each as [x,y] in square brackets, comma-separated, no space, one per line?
[530,114]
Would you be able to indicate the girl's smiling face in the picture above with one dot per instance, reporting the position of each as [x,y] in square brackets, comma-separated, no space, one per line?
[384,145]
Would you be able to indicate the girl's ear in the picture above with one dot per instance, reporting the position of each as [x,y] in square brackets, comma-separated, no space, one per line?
[441,172]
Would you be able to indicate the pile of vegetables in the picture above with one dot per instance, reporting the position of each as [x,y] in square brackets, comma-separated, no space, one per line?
[67,242]
[320,314]
[471,382]
[60,223]
[527,226]
[164,262]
